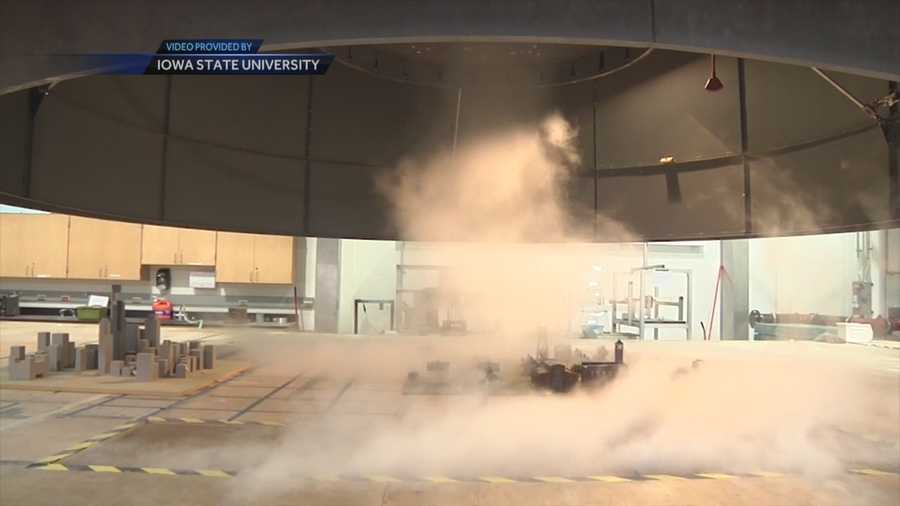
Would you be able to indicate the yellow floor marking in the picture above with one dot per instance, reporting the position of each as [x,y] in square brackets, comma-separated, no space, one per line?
[553,479]
[54,467]
[496,479]
[381,478]
[105,469]
[609,478]
[157,470]
[126,426]
[104,436]
[439,479]
[82,446]
[191,420]
[717,476]
[232,422]
[665,477]
[214,473]
[873,472]
[52,458]
[766,474]
[274,424]
[156,419]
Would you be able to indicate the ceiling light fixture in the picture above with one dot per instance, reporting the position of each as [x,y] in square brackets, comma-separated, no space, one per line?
[713,83]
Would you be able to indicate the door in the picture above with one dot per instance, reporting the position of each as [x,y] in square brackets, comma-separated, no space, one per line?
[100,249]
[273,259]
[196,247]
[49,245]
[86,255]
[15,246]
[122,250]
[159,245]
[234,257]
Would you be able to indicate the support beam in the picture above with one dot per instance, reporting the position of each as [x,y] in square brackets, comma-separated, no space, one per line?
[328,284]
[742,111]
[735,305]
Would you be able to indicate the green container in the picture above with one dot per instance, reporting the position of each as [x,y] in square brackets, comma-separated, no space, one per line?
[90,314]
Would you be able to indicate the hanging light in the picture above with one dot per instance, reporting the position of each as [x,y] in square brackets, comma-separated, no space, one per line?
[713,83]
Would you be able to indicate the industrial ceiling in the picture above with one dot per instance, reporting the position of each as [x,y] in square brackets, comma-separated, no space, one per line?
[801,139]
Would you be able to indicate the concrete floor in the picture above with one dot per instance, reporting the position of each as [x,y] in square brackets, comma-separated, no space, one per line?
[324,420]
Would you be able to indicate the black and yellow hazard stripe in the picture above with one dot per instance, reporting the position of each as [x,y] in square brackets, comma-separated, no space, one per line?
[191,420]
[84,445]
[210,473]
[437,479]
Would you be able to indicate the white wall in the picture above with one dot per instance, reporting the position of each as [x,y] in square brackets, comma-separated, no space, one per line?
[368,271]
[807,274]
[704,267]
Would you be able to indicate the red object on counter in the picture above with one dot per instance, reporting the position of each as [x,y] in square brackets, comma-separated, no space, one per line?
[163,309]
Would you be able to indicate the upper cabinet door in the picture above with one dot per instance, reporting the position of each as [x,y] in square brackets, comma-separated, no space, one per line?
[234,257]
[159,245]
[122,247]
[49,245]
[273,259]
[86,256]
[15,246]
[100,249]
[196,247]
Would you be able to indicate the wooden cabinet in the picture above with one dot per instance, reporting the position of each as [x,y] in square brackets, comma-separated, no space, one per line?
[178,246]
[100,249]
[33,245]
[234,257]
[273,260]
[252,258]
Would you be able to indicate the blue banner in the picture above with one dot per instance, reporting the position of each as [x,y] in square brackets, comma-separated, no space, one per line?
[210,57]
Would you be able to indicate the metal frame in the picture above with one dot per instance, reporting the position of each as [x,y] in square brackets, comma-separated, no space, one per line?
[637,319]
[357,302]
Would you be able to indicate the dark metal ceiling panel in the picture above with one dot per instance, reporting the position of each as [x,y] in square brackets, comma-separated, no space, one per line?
[15,147]
[659,108]
[212,187]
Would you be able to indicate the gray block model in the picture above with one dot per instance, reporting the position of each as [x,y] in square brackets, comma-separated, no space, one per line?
[119,330]
[24,366]
[16,353]
[90,354]
[162,367]
[54,354]
[186,360]
[196,356]
[151,329]
[126,371]
[143,344]
[68,357]
[147,369]
[115,367]
[209,356]
[131,337]
[167,352]
[59,337]
[80,359]
[181,370]
[105,347]
[43,341]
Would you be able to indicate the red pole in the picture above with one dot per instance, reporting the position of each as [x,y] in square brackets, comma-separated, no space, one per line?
[715,299]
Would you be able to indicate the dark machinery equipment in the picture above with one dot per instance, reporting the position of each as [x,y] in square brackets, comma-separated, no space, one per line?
[560,378]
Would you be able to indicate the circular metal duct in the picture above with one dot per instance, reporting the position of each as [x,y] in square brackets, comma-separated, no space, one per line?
[778,150]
